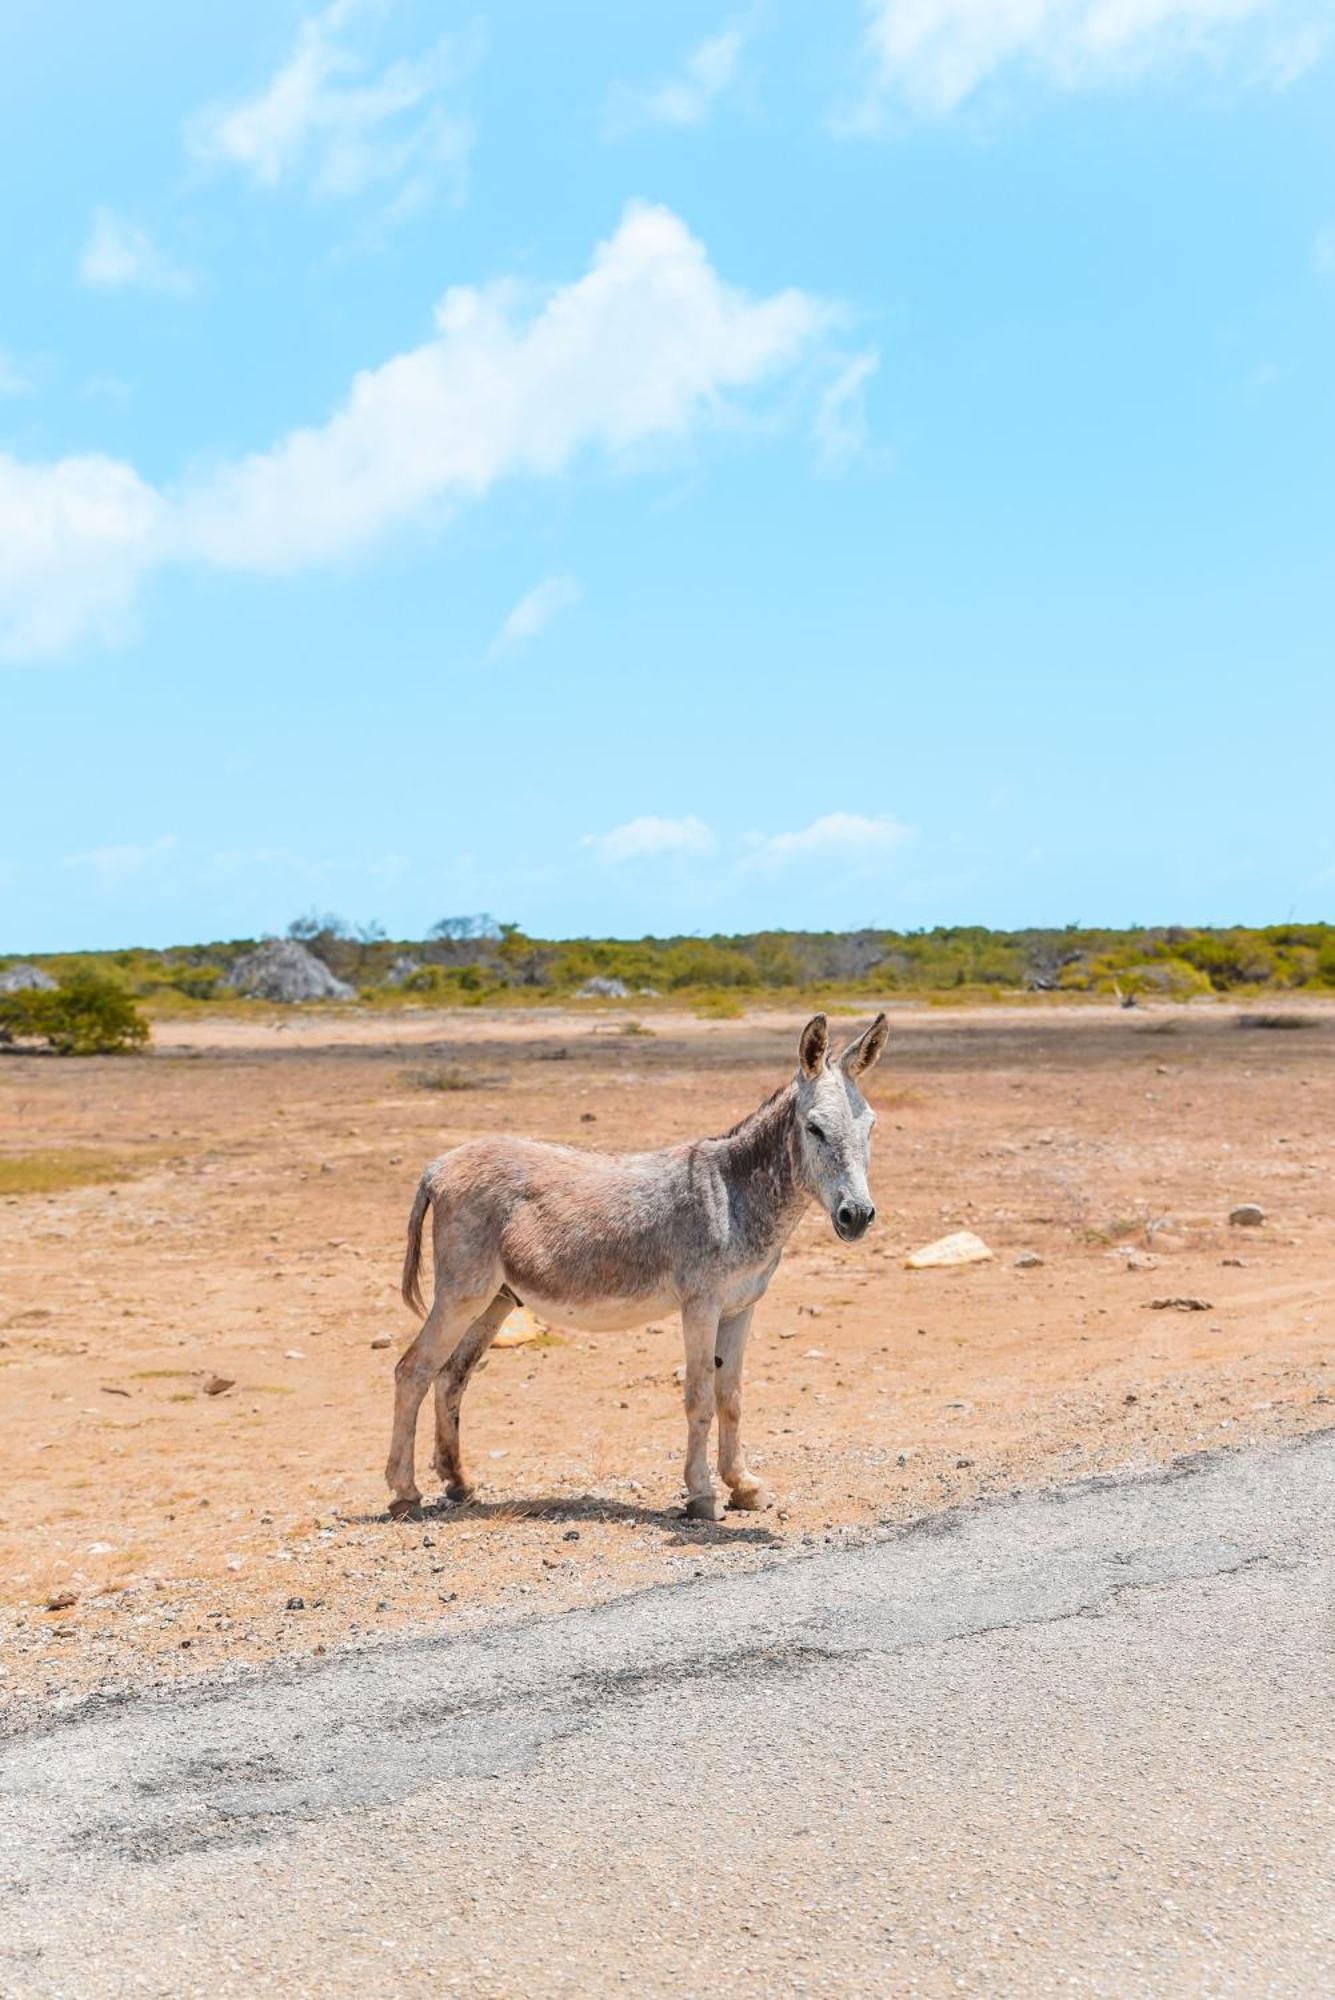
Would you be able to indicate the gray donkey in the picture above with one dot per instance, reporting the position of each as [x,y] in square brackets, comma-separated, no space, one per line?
[605,1241]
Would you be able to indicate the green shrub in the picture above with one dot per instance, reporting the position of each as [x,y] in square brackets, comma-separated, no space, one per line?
[87,1015]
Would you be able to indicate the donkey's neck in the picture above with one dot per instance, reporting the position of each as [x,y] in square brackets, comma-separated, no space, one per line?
[758,1159]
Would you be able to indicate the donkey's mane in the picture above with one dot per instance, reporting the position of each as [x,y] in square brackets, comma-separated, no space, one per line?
[759,1134]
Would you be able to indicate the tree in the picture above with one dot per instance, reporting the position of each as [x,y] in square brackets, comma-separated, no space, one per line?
[455,930]
[87,1015]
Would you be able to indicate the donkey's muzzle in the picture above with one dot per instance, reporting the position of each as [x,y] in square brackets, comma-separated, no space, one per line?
[853,1219]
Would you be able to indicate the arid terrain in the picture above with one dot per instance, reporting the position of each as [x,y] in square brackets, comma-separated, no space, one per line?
[241,1213]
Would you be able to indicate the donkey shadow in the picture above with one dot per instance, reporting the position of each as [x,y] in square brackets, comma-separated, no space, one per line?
[573,1508]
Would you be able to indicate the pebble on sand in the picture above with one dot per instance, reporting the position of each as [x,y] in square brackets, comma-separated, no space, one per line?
[1247,1215]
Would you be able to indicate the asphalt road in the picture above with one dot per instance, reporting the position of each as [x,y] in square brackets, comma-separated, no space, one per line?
[1075,1743]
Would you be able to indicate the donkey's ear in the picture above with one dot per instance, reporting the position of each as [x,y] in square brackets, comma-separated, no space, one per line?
[814,1045]
[866,1050]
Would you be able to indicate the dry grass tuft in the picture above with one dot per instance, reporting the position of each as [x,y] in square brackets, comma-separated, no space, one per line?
[450,1076]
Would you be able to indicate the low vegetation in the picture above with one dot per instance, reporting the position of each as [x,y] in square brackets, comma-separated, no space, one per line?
[50,1171]
[473,961]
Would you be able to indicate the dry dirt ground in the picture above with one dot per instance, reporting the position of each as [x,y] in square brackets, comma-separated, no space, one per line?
[256,1234]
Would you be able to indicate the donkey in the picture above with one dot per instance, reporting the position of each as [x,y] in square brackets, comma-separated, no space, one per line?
[607,1241]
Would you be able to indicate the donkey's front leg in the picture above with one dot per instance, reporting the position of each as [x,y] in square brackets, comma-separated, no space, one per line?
[747,1491]
[699,1324]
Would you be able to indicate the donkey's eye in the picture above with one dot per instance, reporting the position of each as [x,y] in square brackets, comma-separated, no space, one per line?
[816,1131]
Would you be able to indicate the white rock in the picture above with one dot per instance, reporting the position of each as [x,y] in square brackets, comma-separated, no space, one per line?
[960,1247]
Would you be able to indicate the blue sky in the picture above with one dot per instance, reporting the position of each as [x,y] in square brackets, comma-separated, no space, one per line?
[663,468]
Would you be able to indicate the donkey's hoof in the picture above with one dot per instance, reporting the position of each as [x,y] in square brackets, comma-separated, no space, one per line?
[751,1499]
[704,1507]
[406,1504]
[458,1492]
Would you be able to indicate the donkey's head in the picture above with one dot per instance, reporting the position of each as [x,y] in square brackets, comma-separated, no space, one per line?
[834,1122]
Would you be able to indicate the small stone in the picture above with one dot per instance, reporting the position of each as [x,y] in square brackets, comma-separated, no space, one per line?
[382,1341]
[1028,1260]
[1234,1263]
[218,1385]
[295,1604]
[588,1117]
[1183,1303]
[62,1600]
[570,1535]
[1247,1215]
[1130,1397]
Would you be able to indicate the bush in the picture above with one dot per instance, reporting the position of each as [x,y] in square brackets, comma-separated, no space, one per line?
[87,1015]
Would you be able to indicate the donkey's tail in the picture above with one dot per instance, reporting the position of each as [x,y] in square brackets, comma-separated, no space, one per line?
[411,1288]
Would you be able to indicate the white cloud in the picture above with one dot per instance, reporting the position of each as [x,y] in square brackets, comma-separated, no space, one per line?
[645,345]
[326,116]
[932,55]
[75,538]
[689,97]
[119,254]
[536,610]
[114,866]
[648,344]
[837,836]
[650,835]
[840,423]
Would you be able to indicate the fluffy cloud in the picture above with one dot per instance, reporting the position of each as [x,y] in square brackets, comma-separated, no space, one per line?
[934,54]
[75,539]
[328,118]
[650,835]
[536,610]
[649,343]
[837,836]
[689,97]
[120,254]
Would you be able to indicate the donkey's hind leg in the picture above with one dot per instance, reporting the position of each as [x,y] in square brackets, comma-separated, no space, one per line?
[451,1382]
[418,1366]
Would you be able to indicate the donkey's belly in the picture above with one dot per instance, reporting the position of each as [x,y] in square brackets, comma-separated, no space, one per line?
[602,1315]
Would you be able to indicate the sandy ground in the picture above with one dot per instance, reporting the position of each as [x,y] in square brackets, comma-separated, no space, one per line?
[258,1232]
